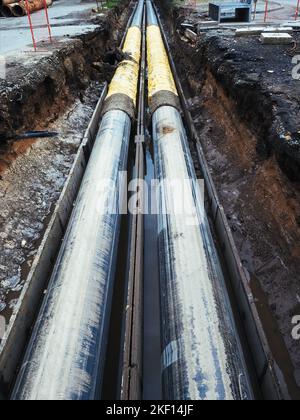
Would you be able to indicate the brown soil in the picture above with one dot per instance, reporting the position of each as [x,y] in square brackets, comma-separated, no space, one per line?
[263,209]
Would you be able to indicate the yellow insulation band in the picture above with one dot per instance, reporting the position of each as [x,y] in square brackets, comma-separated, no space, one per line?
[125,80]
[160,74]
[132,43]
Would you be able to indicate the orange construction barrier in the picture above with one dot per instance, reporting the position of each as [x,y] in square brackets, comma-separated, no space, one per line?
[41,21]
[266,10]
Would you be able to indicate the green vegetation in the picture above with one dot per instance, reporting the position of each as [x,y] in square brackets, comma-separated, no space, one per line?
[188,2]
[108,4]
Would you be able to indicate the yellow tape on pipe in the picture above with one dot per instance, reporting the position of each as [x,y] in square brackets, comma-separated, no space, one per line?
[132,43]
[125,80]
[159,71]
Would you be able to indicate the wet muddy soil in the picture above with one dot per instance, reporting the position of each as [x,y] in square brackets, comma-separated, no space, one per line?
[56,93]
[245,104]
[38,86]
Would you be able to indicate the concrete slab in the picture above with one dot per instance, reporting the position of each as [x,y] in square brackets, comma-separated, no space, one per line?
[279,29]
[191,35]
[293,24]
[258,30]
[207,25]
[255,30]
[207,29]
[276,38]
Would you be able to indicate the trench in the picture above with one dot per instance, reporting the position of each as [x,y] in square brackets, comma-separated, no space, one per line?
[260,196]
[260,199]
[59,94]
[152,388]
[151,348]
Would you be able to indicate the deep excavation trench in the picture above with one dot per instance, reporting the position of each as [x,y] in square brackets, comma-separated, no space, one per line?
[256,185]
[58,93]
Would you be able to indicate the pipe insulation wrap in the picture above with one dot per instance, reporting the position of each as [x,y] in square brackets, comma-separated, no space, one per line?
[160,74]
[125,80]
[202,357]
[126,76]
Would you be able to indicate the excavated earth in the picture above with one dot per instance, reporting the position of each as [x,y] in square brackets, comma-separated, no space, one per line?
[246,106]
[58,93]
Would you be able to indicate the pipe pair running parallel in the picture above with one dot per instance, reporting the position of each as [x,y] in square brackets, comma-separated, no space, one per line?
[202,357]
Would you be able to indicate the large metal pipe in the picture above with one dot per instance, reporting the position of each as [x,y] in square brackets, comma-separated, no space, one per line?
[20,9]
[7,10]
[202,357]
[67,350]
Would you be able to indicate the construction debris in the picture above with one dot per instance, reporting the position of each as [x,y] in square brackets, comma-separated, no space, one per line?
[255,30]
[191,35]
[276,38]
[258,30]
[280,29]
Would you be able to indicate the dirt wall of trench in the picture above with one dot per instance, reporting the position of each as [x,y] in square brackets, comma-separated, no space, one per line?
[35,92]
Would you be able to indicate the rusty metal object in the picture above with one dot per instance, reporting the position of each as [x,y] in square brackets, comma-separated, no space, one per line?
[7,9]
[20,9]
[5,2]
